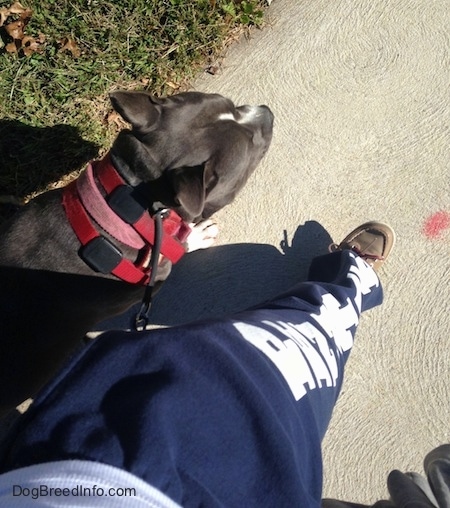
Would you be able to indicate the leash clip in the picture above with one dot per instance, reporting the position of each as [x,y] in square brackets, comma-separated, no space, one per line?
[158,209]
[142,320]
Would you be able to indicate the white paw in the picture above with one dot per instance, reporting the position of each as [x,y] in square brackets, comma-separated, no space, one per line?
[202,236]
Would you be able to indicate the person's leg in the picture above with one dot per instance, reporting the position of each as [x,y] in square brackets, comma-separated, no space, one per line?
[222,413]
[308,332]
[310,346]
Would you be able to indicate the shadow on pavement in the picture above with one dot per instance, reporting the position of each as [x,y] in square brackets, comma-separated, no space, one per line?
[219,281]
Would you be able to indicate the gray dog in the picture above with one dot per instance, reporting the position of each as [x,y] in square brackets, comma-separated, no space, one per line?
[76,256]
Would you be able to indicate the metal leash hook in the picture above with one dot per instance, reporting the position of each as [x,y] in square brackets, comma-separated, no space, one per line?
[142,319]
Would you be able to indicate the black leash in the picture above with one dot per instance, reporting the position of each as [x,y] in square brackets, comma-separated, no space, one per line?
[142,319]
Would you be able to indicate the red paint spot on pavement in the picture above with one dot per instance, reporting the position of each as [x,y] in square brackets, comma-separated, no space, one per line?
[436,224]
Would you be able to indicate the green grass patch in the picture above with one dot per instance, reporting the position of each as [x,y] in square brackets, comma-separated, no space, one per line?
[57,67]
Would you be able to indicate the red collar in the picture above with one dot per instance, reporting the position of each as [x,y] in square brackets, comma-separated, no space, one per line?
[117,212]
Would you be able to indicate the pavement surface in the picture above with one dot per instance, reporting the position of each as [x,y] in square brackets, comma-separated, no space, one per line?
[360,92]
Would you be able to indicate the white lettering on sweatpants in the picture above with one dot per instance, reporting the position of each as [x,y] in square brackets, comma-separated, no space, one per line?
[302,354]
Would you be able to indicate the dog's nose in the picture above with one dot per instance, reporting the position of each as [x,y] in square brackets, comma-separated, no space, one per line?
[263,106]
[268,113]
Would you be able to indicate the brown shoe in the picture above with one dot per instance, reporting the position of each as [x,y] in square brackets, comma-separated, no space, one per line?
[373,241]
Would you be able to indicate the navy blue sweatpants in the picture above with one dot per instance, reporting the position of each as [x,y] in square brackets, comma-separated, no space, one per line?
[222,413]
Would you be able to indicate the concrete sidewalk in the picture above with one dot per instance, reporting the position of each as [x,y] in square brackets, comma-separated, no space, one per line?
[360,91]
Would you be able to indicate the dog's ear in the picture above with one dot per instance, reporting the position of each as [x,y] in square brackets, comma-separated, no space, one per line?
[140,109]
[189,187]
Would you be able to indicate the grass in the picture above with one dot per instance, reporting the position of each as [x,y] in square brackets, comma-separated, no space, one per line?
[56,70]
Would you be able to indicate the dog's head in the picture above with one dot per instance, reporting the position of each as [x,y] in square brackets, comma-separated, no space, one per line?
[192,151]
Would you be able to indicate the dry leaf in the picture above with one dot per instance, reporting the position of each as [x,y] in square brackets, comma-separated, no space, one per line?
[29,45]
[11,47]
[24,12]
[4,13]
[70,45]
[15,29]
[26,15]
[17,8]
[114,117]
[173,85]
[212,69]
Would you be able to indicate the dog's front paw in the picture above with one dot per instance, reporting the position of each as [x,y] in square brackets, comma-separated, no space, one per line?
[202,236]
